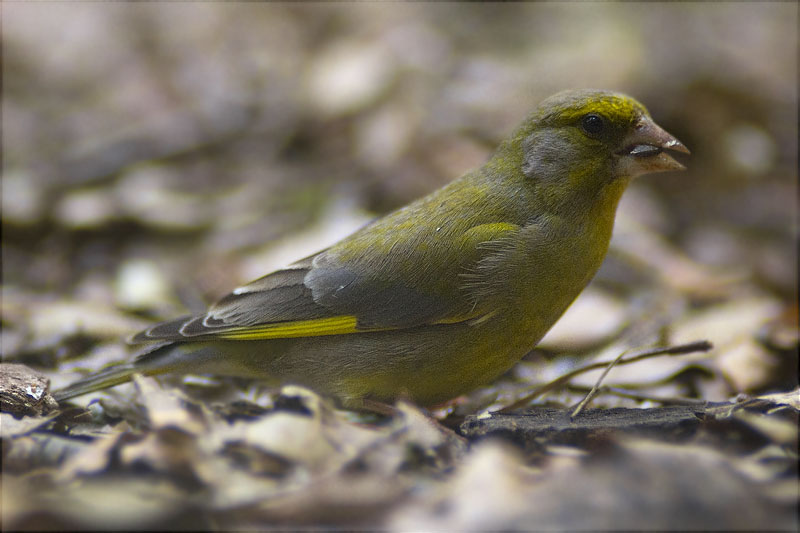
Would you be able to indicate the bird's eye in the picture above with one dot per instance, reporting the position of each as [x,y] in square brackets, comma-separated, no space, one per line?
[593,124]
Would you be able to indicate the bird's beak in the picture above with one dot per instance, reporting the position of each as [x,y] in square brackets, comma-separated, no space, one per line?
[643,151]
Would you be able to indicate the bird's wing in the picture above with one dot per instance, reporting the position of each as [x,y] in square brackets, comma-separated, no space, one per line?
[413,282]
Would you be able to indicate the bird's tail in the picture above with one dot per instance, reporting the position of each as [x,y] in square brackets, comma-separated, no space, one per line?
[150,361]
[107,378]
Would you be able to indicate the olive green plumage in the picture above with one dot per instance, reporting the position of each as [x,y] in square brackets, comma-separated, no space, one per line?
[442,295]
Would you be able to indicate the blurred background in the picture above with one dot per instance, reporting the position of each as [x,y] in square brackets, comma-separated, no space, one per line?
[155,155]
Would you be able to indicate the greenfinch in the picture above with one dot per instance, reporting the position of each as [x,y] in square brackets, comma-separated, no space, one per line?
[444,294]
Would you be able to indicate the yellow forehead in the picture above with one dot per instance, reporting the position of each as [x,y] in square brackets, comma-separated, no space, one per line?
[570,106]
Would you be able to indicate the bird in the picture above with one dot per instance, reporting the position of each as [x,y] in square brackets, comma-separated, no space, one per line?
[442,295]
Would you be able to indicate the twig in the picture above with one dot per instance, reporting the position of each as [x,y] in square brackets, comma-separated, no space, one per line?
[627,393]
[591,394]
[681,349]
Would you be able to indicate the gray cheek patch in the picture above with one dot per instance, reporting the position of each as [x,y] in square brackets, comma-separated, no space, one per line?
[545,155]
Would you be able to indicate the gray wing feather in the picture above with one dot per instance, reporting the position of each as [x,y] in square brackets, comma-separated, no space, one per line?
[323,285]
[376,303]
[305,291]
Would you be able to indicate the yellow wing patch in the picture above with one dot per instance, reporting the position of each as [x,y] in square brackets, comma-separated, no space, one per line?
[338,325]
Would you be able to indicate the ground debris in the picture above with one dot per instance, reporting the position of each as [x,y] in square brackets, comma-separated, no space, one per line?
[24,392]
[668,423]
